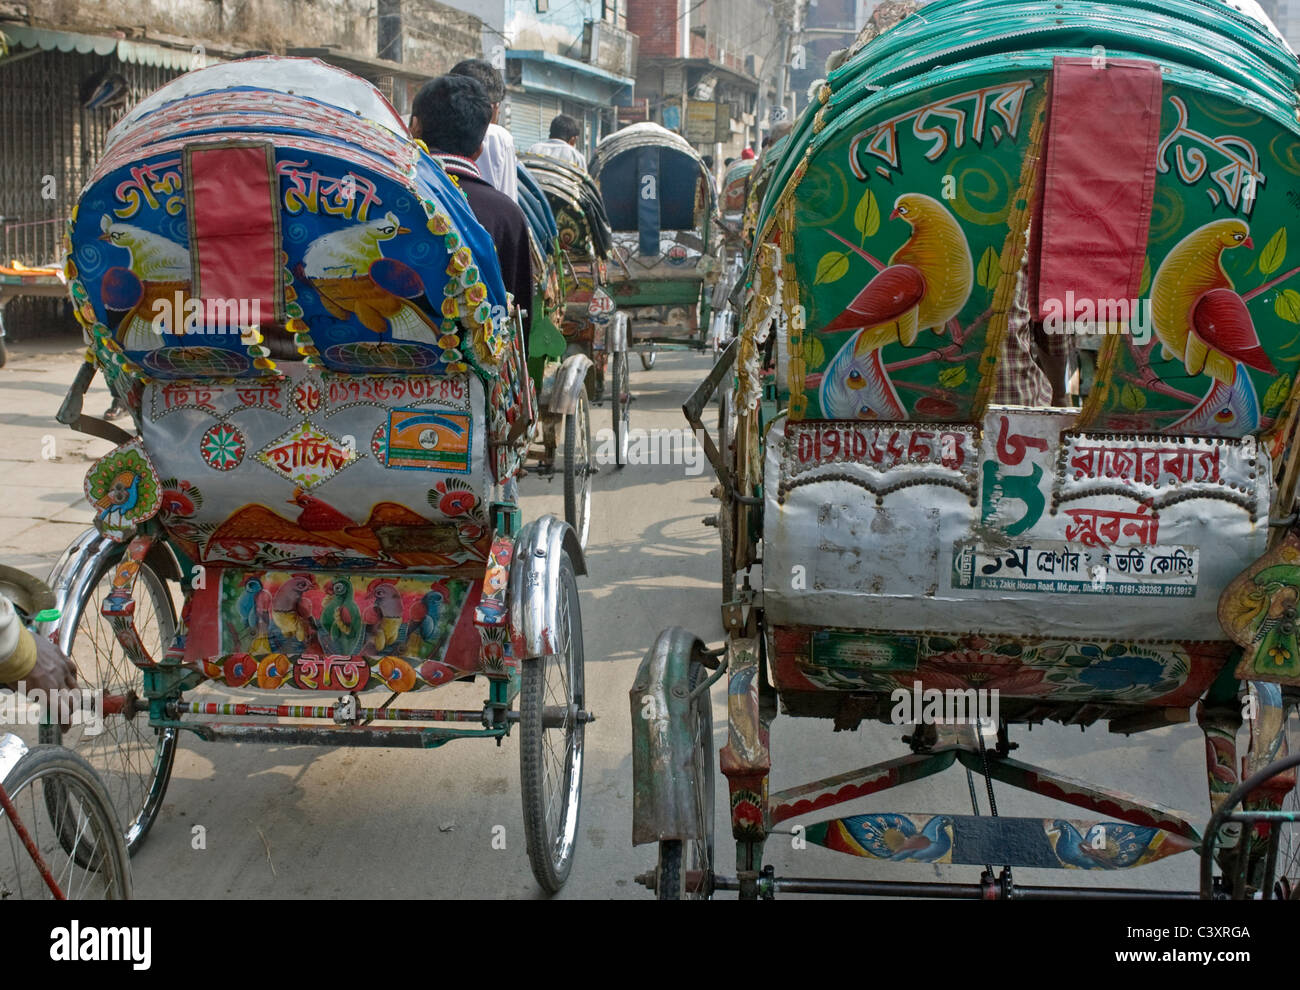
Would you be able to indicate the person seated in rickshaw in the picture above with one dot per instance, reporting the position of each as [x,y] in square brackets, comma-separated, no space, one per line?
[497,162]
[562,145]
[451,115]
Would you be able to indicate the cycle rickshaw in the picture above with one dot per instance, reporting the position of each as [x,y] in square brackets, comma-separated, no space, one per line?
[310,331]
[661,204]
[591,331]
[922,504]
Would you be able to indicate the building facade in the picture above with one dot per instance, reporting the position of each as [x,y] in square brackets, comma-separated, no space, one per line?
[69,72]
[707,68]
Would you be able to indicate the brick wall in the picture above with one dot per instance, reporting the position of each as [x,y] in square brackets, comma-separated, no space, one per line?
[655,21]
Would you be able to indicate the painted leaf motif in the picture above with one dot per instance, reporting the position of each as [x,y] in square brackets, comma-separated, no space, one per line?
[990,269]
[1287,305]
[953,377]
[1277,393]
[1274,253]
[813,352]
[1145,282]
[1132,398]
[833,267]
[867,216]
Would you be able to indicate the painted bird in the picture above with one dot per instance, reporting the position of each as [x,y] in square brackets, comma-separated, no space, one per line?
[384,614]
[340,628]
[349,271]
[1106,846]
[431,627]
[157,268]
[289,611]
[122,496]
[896,837]
[321,519]
[1201,320]
[927,282]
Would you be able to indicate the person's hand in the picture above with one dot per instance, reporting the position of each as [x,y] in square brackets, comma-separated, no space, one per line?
[56,675]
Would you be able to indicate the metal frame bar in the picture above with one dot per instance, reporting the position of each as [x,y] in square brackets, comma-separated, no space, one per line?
[968,891]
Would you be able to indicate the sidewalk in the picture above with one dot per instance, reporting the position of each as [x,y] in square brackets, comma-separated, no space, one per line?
[42,463]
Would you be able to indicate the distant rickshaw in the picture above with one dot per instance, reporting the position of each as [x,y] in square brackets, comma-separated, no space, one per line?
[661,204]
[590,324]
[560,375]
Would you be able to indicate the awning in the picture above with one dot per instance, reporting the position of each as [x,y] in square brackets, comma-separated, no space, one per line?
[136,52]
[581,82]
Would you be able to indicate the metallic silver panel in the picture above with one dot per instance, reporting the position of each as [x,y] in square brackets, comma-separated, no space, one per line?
[1021,529]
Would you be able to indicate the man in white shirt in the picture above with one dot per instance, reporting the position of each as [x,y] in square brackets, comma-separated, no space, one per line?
[563,143]
[497,162]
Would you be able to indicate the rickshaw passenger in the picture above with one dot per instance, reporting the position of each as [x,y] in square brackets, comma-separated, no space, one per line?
[562,145]
[497,161]
[451,115]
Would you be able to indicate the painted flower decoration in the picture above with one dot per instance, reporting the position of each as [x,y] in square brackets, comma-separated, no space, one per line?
[1280,655]
[476,293]
[450,308]
[274,669]
[440,224]
[454,497]
[461,259]
[176,502]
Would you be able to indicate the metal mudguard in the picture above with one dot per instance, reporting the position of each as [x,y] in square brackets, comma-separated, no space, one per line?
[663,793]
[71,578]
[12,749]
[616,333]
[570,380]
[534,587]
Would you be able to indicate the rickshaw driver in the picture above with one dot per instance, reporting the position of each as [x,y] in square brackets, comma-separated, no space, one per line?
[451,115]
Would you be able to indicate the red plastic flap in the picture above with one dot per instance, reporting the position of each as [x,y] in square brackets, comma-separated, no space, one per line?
[1098,181]
[234,221]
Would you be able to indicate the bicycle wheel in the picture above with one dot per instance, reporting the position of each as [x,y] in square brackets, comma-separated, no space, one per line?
[1288,853]
[578,469]
[66,813]
[133,760]
[551,743]
[621,405]
[726,518]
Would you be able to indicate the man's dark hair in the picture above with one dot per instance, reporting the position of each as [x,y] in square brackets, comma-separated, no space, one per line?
[454,112]
[708,162]
[485,73]
[565,128]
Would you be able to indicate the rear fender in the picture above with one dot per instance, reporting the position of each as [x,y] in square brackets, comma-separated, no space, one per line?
[570,380]
[663,792]
[534,587]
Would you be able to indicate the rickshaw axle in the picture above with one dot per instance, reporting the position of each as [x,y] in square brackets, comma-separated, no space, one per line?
[967,891]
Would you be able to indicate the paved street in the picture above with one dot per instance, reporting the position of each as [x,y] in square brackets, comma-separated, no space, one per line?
[310,822]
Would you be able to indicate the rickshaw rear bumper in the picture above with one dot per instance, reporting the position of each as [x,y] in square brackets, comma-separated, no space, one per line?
[534,588]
